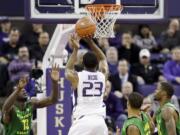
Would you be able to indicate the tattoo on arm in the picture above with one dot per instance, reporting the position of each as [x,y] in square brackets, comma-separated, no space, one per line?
[167,114]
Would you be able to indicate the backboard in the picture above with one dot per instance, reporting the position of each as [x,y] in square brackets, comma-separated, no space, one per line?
[68,10]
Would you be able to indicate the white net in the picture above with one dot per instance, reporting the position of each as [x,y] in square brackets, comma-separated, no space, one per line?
[104,16]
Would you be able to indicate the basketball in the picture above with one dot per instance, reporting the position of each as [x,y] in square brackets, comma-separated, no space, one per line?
[85,27]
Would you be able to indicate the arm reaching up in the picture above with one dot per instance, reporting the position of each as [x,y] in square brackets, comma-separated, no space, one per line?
[103,66]
[70,73]
[53,98]
[7,107]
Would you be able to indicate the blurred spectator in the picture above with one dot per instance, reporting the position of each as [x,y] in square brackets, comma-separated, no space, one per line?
[145,38]
[172,67]
[171,37]
[145,71]
[116,40]
[32,37]
[112,59]
[5,29]
[127,89]
[122,77]
[21,66]
[103,43]
[37,51]
[110,125]
[9,50]
[113,104]
[128,50]
[148,105]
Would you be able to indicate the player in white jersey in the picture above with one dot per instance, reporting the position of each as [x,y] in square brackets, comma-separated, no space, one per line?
[89,88]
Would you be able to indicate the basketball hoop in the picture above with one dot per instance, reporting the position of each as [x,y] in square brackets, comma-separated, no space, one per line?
[104,16]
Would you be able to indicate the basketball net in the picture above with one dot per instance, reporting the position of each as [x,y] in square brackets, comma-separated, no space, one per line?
[104,16]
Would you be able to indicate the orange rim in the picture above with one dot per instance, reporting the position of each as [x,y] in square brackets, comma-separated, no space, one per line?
[106,7]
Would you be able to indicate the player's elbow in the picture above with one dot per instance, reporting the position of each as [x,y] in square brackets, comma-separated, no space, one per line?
[54,100]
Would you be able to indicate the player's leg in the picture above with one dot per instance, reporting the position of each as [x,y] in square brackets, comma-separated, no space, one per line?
[80,127]
[99,126]
[89,125]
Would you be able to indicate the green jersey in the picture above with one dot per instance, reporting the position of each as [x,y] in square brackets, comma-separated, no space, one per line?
[20,121]
[133,121]
[161,123]
[146,125]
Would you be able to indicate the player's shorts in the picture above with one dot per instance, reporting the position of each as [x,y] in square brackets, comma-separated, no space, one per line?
[89,125]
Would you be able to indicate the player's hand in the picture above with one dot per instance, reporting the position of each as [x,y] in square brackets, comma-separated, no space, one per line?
[118,94]
[88,39]
[146,107]
[118,131]
[75,41]
[178,80]
[22,83]
[55,73]
[140,80]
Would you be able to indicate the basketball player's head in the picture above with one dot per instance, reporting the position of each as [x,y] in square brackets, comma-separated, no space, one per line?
[90,61]
[22,95]
[135,101]
[164,90]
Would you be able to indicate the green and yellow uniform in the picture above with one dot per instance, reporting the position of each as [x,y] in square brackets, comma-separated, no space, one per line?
[161,123]
[20,121]
[135,122]
[146,121]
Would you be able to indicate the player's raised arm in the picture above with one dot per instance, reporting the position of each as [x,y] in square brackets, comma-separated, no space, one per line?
[53,98]
[70,73]
[167,115]
[7,107]
[103,66]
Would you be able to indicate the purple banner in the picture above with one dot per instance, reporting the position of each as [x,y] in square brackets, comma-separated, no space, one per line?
[59,115]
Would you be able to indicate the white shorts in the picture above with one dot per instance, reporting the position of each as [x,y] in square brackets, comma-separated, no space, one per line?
[89,125]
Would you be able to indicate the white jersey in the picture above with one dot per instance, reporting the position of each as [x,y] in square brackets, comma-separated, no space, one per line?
[88,98]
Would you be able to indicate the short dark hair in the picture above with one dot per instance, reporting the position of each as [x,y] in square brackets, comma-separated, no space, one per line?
[23,46]
[90,60]
[168,88]
[15,29]
[135,100]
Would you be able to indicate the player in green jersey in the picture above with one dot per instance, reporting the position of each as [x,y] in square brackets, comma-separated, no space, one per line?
[17,109]
[134,124]
[167,117]
[147,123]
